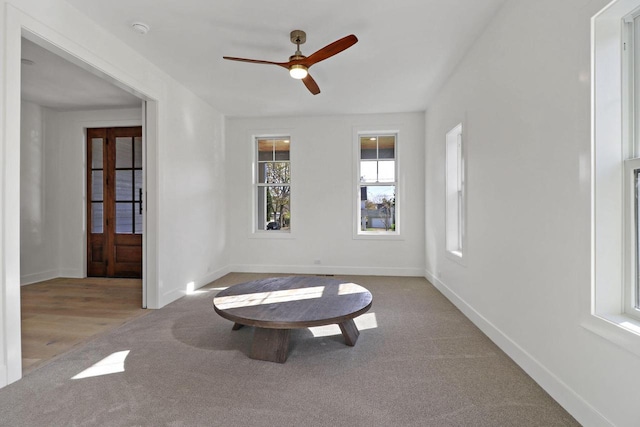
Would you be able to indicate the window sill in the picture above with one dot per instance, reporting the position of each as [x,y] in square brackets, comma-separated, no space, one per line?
[619,329]
[272,235]
[377,236]
[456,256]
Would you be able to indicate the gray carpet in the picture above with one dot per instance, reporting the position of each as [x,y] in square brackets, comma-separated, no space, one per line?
[424,364]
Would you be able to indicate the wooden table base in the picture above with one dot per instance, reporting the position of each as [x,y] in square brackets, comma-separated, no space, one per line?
[272,345]
[276,305]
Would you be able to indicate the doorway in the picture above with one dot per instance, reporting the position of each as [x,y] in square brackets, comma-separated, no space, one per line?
[20,24]
[114,202]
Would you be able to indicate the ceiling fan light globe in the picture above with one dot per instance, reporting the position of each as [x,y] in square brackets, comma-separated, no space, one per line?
[298,71]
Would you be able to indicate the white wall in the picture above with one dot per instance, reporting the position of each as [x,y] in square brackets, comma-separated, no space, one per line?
[523,93]
[322,156]
[186,165]
[39,255]
[192,188]
[53,188]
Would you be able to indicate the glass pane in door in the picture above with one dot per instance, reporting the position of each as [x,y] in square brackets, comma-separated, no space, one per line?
[96,186]
[97,218]
[137,152]
[124,185]
[124,218]
[96,153]
[137,212]
[124,152]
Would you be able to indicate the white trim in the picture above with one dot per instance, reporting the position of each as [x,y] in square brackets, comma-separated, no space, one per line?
[10,193]
[16,25]
[568,398]
[145,263]
[254,232]
[271,234]
[91,124]
[150,261]
[630,239]
[621,330]
[29,279]
[603,303]
[358,234]
[327,270]
[196,284]
[455,186]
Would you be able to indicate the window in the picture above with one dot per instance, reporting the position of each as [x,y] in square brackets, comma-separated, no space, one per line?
[454,182]
[377,184]
[631,153]
[612,303]
[273,184]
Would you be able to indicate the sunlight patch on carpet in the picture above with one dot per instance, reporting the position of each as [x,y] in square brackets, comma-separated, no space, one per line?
[366,321]
[111,364]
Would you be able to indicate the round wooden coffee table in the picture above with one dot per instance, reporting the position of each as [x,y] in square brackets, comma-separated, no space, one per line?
[275,306]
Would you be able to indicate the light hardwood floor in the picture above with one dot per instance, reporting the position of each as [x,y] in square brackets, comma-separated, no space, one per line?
[61,313]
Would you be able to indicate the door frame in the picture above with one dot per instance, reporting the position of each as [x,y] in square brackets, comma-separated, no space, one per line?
[87,171]
[18,24]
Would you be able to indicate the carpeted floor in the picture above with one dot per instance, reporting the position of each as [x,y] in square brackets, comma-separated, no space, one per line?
[418,362]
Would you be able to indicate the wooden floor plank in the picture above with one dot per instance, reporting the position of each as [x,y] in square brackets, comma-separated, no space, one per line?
[61,313]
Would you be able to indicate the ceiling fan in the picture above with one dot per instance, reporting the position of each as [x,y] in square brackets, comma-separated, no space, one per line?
[298,64]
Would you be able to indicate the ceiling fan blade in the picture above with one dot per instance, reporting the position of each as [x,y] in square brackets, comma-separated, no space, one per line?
[311,84]
[329,50]
[257,61]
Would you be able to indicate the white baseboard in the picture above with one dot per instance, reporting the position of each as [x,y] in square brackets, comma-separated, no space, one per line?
[72,273]
[175,294]
[571,401]
[327,269]
[3,375]
[210,277]
[29,279]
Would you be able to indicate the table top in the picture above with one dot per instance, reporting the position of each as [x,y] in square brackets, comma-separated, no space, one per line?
[292,302]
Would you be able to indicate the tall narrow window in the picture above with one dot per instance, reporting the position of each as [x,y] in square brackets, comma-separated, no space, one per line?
[615,165]
[631,150]
[454,221]
[377,186]
[273,184]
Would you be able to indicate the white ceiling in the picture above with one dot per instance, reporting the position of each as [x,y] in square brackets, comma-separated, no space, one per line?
[54,82]
[406,49]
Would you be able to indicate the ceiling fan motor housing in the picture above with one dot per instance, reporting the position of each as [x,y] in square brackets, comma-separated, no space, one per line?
[298,37]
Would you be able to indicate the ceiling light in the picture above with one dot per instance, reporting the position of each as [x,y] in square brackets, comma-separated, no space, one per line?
[140,27]
[26,61]
[298,71]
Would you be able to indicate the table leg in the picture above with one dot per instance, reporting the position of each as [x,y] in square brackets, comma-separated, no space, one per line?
[236,326]
[349,332]
[270,344]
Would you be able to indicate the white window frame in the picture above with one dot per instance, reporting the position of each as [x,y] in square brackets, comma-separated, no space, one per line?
[630,264]
[358,233]
[607,304]
[255,231]
[455,194]
[631,153]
